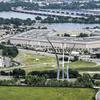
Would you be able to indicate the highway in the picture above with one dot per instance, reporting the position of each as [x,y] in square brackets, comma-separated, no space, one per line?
[45,13]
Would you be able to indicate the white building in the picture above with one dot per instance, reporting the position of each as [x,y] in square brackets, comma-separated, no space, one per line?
[36,40]
[28,1]
[1,61]
[5,61]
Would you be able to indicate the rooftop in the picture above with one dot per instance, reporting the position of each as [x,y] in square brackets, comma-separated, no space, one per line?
[42,35]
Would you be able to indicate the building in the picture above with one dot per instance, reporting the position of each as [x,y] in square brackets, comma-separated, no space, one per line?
[5,0]
[5,61]
[37,40]
[54,1]
[28,1]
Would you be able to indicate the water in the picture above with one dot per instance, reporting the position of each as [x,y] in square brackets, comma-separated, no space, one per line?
[60,28]
[72,28]
[17,15]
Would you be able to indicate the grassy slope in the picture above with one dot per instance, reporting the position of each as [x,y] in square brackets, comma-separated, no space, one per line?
[20,93]
[49,63]
[84,65]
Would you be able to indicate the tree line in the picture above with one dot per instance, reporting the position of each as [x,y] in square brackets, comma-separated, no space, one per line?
[8,50]
[48,79]
[4,6]
[35,6]
[49,19]
[88,20]
[16,21]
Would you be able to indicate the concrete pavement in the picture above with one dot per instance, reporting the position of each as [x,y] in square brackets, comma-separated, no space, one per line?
[98,95]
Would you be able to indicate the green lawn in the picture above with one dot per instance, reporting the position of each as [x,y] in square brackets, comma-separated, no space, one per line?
[30,93]
[84,66]
[36,62]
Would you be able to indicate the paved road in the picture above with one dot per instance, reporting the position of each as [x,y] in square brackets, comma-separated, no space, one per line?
[5,77]
[39,53]
[98,96]
[89,72]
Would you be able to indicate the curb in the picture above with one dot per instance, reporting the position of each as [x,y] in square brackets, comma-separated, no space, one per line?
[97,95]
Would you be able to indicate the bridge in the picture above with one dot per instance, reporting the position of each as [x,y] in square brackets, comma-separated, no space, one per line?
[85,13]
[59,12]
[53,13]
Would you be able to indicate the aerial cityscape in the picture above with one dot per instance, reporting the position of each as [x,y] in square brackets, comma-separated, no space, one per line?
[50,49]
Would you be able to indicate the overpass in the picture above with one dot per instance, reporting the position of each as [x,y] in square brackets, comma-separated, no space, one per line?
[53,13]
[59,12]
[85,13]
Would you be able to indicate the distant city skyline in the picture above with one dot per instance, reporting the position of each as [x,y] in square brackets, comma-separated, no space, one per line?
[49,0]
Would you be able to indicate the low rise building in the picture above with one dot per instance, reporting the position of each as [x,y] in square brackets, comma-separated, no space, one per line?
[38,40]
[5,61]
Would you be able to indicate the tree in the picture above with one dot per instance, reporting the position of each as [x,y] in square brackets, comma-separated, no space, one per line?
[38,18]
[83,35]
[28,21]
[8,42]
[17,73]
[73,73]
[10,51]
[85,81]
[66,35]
[35,80]
[96,76]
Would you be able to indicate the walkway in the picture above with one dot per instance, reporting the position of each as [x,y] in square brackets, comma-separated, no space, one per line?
[97,96]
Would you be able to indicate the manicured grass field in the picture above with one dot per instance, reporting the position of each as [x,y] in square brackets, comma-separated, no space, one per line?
[84,66]
[39,63]
[32,62]
[36,62]
[30,93]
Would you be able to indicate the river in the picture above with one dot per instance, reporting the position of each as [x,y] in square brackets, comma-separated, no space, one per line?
[60,28]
